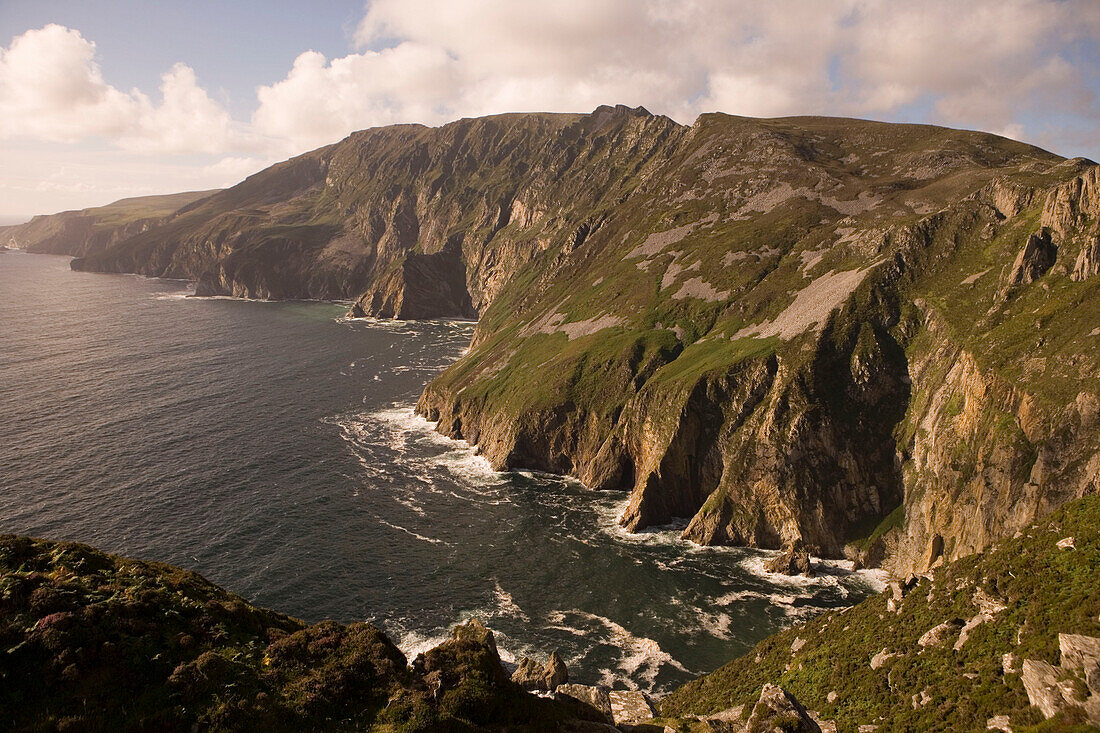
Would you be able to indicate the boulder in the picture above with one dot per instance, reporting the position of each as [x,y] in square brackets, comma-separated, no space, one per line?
[596,698]
[777,710]
[1082,654]
[629,707]
[530,675]
[794,560]
[939,636]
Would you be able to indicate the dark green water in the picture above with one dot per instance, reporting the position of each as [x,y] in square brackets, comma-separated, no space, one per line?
[272,448]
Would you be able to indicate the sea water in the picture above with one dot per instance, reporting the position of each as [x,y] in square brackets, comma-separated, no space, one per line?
[273,448]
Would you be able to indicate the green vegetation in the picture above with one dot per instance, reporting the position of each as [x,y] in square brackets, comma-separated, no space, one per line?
[94,642]
[1047,590]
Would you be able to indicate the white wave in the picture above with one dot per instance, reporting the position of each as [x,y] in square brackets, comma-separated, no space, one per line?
[642,657]
[412,643]
[433,540]
[506,606]
[779,599]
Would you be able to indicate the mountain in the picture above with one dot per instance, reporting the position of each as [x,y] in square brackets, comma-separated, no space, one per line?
[878,340]
[76,232]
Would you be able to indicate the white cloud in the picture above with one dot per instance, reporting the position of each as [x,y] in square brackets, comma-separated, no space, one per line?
[51,88]
[1020,67]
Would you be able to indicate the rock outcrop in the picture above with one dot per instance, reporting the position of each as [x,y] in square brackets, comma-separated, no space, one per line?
[530,675]
[778,710]
[1036,257]
[794,560]
[90,641]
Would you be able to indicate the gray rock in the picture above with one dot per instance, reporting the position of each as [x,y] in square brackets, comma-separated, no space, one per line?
[630,706]
[530,675]
[595,697]
[1082,653]
[1088,261]
[777,710]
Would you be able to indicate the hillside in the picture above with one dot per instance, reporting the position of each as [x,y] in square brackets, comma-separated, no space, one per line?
[950,652]
[876,339]
[76,232]
[95,642]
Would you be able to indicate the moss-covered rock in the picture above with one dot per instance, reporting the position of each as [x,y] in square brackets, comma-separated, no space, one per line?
[94,642]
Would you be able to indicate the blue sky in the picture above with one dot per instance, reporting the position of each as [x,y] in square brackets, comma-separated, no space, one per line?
[110,98]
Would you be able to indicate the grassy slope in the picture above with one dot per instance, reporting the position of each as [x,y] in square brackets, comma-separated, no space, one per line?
[1048,591]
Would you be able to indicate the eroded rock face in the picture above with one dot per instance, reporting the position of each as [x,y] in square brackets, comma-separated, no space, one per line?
[1036,257]
[1088,261]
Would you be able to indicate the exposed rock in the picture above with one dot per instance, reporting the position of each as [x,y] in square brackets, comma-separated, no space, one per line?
[630,706]
[1009,663]
[1036,257]
[941,635]
[1065,543]
[778,710]
[469,656]
[596,698]
[530,675]
[1082,654]
[999,722]
[1088,261]
[881,658]
[794,560]
[1049,688]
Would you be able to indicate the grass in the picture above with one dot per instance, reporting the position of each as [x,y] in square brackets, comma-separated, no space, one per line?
[1047,591]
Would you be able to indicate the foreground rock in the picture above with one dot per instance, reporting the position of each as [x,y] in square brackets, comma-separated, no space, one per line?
[90,641]
[530,675]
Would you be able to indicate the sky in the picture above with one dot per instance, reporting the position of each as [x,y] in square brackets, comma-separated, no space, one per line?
[114,98]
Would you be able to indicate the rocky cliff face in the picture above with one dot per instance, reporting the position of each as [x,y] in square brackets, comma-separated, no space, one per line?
[870,338]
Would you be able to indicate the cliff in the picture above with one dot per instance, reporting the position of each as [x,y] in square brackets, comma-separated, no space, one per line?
[875,339]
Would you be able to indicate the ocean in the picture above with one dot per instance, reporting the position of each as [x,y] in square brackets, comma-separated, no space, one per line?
[273,448]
